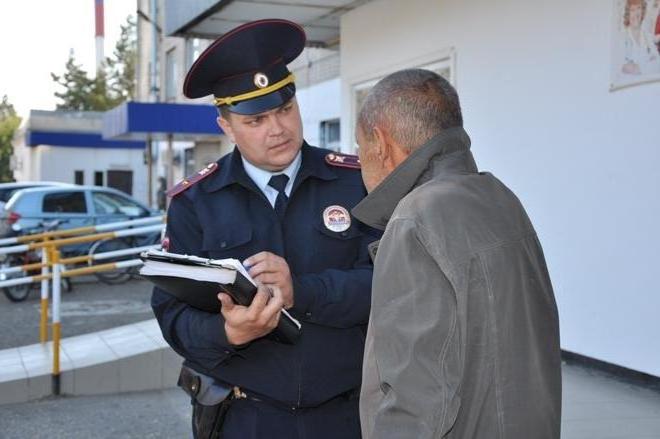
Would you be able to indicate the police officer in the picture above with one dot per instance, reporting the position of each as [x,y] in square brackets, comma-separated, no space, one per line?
[282,207]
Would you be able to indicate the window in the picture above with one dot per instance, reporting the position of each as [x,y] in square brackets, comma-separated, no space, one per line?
[121,180]
[5,194]
[108,204]
[444,66]
[170,75]
[98,178]
[193,50]
[189,161]
[360,92]
[79,177]
[65,202]
[330,134]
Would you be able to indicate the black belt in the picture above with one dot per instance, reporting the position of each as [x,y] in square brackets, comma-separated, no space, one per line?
[239,393]
[209,391]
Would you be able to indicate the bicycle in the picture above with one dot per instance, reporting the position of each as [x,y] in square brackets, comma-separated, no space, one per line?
[19,293]
[120,275]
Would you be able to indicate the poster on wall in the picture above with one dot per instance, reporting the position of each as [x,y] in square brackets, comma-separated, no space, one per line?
[635,42]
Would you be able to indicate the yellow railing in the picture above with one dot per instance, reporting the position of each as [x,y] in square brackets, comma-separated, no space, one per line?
[52,265]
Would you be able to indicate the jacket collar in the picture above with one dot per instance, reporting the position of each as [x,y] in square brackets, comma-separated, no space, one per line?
[313,166]
[232,171]
[446,153]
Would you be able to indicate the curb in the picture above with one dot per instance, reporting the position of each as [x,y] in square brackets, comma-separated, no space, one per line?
[124,359]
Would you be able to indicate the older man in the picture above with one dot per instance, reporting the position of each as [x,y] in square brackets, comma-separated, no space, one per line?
[463,338]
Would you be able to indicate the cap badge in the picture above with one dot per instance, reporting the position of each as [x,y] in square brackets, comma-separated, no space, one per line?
[336,218]
[261,80]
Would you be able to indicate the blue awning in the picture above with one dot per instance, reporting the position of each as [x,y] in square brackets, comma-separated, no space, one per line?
[79,140]
[137,120]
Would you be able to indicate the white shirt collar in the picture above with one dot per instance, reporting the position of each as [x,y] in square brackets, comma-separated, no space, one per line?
[261,177]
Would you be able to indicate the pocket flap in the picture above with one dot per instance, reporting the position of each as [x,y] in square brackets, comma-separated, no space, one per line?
[352,232]
[227,238]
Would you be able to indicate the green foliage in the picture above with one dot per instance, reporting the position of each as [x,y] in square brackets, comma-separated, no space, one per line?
[9,122]
[122,65]
[81,92]
[113,84]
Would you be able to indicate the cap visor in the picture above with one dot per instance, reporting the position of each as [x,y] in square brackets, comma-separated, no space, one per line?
[264,103]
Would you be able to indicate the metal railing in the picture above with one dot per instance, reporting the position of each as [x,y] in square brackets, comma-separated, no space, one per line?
[53,267]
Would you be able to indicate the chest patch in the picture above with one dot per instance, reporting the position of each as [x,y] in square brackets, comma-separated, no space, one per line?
[336,218]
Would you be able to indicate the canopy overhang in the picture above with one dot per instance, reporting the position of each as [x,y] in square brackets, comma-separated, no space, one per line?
[159,121]
[212,18]
[78,140]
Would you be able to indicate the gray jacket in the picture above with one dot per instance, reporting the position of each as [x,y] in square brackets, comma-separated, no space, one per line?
[463,339]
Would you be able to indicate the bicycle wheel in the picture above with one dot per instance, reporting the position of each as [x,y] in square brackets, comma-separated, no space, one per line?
[17,293]
[116,276]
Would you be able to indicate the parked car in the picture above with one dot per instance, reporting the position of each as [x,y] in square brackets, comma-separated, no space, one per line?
[9,189]
[73,205]
[65,207]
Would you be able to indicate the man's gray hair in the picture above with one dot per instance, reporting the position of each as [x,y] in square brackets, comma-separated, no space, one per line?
[413,105]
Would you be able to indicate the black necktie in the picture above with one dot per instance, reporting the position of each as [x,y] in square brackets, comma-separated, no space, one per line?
[278,182]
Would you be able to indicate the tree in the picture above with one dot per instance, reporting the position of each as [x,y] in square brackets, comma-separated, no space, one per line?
[9,122]
[113,84]
[81,92]
[122,73]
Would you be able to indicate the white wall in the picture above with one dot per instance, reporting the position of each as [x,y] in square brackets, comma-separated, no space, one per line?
[317,103]
[58,163]
[533,78]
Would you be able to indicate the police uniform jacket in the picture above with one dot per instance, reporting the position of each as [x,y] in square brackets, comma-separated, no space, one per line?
[226,216]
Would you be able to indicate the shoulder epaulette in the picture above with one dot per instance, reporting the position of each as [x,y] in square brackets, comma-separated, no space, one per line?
[343,160]
[193,179]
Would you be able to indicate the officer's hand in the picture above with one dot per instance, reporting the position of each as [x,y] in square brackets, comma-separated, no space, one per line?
[269,269]
[246,323]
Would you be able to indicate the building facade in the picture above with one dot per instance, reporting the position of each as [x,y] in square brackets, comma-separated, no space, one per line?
[67,146]
[544,115]
[536,90]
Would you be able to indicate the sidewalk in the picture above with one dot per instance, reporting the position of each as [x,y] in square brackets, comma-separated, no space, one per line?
[595,406]
[91,306]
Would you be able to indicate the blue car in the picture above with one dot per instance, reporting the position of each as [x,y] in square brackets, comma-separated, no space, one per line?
[73,206]
[64,207]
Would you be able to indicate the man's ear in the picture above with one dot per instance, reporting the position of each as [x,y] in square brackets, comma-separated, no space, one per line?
[380,142]
[390,152]
[225,126]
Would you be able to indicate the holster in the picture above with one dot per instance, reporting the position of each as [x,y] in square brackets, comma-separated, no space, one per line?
[210,401]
